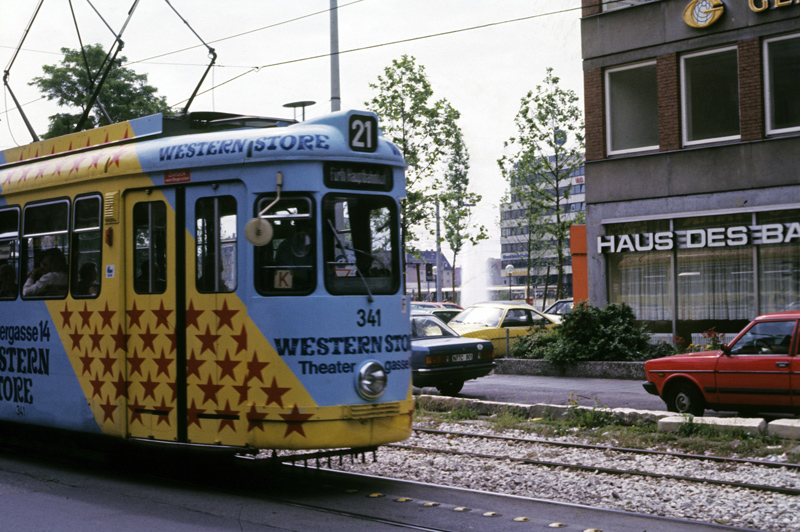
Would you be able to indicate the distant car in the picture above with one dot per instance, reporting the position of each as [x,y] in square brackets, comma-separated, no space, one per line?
[492,320]
[560,307]
[445,314]
[752,374]
[425,305]
[441,358]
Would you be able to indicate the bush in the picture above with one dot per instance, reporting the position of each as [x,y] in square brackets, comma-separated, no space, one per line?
[592,334]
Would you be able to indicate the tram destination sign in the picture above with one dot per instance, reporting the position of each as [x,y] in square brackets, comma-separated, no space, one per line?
[714,237]
[354,176]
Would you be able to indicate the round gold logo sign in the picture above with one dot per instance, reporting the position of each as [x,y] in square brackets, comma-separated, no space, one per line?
[703,13]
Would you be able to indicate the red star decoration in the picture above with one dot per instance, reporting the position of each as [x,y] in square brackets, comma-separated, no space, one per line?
[121,386]
[241,340]
[227,421]
[25,171]
[96,337]
[108,364]
[107,316]
[147,340]
[120,339]
[192,315]
[39,169]
[174,389]
[294,422]
[193,365]
[210,391]
[135,363]
[66,316]
[149,388]
[255,420]
[86,360]
[255,367]
[86,316]
[95,159]
[242,391]
[58,165]
[136,413]
[115,157]
[162,316]
[109,409]
[275,393]
[134,315]
[227,367]
[97,387]
[163,364]
[208,339]
[76,340]
[163,417]
[76,163]
[191,415]
[225,316]
[173,340]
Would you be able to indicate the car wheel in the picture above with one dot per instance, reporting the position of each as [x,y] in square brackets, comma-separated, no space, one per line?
[450,388]
[685,398]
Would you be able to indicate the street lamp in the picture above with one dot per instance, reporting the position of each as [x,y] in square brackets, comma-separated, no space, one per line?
[509,272]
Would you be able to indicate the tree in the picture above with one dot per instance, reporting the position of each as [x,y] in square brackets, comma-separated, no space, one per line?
[421,129]
[125,94]
[457,201]
[547,150]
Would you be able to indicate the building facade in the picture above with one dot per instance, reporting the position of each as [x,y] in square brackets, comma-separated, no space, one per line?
[514,235]
[692,143]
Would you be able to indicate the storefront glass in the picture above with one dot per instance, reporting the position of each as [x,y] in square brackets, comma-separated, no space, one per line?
[778,268]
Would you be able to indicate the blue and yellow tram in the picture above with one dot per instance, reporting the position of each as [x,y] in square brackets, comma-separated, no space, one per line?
[212,279]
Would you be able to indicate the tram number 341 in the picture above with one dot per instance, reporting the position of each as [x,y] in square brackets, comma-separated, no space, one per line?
[363,133]
[368,318]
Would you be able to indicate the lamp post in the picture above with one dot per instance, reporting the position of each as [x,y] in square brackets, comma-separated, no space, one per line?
[509,272]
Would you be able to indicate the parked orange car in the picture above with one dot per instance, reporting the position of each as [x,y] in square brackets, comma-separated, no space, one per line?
[758,372]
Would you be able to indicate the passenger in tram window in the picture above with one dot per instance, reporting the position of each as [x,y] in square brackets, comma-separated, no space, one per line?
[87,280]
[50,278]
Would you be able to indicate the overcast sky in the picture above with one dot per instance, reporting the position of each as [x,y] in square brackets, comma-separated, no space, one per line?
[278,50]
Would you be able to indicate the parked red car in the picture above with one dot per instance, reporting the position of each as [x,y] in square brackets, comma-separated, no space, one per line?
[758,372]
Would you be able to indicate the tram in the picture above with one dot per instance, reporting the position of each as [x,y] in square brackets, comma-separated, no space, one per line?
[212,279]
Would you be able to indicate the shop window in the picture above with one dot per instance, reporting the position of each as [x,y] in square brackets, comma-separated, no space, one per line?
[782,77]
[286,265]
[86,246]
[150,247]
[9,253]
[611,5]
[710,96]
[778,268]
[215,234]
[46,240]
[632,108]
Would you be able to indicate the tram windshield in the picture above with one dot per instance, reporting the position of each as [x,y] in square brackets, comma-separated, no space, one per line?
[360,244]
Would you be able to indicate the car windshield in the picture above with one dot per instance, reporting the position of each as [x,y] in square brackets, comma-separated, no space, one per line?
[429,327]
[488,316]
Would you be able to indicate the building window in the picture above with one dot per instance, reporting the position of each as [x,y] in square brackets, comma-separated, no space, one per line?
[710,96]
[632,108]
[779,268]
[782,75]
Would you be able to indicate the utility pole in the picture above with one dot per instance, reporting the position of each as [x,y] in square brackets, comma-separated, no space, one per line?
[336,100]
[438,257]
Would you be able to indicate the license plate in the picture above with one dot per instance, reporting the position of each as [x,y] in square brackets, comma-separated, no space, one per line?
[461,358]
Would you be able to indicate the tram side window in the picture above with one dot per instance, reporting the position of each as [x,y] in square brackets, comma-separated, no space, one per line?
[286,265]
[215,224]
[45,229]
[86,246]
[361,244]
[150,247]
[9,253]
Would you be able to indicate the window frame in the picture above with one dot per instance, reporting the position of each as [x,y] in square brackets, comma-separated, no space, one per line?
[26,254]
[217,244]
[607,101]
[74,268]
[768,99]
[15,239]
[685,142]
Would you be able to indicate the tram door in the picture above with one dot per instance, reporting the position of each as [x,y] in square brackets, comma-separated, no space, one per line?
[152,296]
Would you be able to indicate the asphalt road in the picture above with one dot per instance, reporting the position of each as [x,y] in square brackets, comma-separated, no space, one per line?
[611,393]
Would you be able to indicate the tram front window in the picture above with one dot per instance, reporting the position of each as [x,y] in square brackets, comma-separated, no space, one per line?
[361,244]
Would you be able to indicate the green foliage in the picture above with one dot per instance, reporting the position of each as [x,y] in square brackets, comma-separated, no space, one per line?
[535,345]
[588,418]
[423,130]
[508,418]
[461,413]
[547,150]
[125,95]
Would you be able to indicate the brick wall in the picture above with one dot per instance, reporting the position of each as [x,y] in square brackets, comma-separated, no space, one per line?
[595,114]
[669,102]
[591,7]
[751,89]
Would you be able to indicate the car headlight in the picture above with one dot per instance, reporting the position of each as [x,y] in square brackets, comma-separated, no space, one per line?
[371,382]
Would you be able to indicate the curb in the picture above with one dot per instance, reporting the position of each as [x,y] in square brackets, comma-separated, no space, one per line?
[667,421]
[596,370]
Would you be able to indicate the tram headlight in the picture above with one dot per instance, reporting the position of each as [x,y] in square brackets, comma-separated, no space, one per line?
[371,382]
